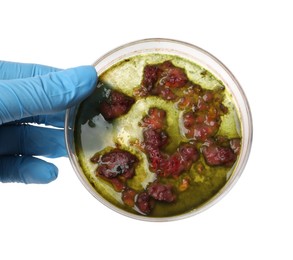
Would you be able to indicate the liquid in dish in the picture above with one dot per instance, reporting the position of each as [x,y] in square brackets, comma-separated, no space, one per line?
[160,135]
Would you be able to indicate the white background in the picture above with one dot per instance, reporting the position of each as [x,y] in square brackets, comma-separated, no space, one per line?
[254,221]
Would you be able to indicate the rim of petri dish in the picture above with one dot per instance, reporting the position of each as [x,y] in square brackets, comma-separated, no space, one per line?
[199,56]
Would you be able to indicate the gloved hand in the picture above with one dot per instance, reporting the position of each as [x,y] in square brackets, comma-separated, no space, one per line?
[39,94]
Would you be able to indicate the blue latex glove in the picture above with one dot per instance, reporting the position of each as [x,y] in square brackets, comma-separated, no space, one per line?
[32,93]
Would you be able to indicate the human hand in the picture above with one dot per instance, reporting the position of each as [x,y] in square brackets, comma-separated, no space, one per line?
[31,93]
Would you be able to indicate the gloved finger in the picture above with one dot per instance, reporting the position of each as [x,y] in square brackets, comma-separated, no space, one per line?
[45,94]
[55,119]
[14,70]
[32,140]
[26,169]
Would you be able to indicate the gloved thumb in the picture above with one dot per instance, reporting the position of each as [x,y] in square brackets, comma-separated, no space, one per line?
[39,95]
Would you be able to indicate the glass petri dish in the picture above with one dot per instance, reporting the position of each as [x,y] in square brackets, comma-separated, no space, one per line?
[207,62]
